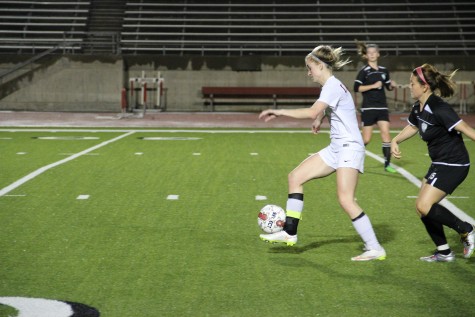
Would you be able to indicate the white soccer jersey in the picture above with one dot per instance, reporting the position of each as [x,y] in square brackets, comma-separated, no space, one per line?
[343,122]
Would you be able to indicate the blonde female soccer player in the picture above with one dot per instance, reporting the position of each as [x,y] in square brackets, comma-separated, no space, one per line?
[370,82]
[344,155]
[440,127]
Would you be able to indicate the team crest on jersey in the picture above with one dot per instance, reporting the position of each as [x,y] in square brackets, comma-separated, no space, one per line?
[424,127]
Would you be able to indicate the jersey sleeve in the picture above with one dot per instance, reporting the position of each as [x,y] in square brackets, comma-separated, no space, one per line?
[387,82]
[330,95]
[447,116]
[359,80]
[412,119]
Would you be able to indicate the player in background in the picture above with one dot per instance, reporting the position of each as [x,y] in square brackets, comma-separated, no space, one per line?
[371,81]
[441,128]
[344,156]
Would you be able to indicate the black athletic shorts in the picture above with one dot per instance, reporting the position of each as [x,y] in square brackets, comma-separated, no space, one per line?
[446,178]
[370,117]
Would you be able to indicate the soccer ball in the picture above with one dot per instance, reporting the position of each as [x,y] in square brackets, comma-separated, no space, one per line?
[271,219]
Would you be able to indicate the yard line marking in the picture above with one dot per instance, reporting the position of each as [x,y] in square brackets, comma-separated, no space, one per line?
[196,154]
[67,138]
[138,153]
[254,154]
[169,138]
[444,202]
[43,169]
[259,197]
[21,153]
[82,197]
[67,154]
[173,197]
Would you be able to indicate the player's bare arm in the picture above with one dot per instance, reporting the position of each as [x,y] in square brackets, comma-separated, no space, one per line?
[376,85]
[466,129]
[301,113]
[408,132]
[320,109]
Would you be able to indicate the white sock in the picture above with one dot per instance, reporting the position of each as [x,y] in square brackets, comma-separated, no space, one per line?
[443,247]
[364,228]
[294,205]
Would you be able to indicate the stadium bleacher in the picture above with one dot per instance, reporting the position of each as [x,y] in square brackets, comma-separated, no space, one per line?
[238,28]
[273,28]
[35,26]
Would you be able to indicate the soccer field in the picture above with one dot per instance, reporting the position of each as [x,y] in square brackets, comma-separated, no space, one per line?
[139,223]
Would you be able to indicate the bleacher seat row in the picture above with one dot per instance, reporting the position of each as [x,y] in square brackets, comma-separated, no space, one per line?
[245,27]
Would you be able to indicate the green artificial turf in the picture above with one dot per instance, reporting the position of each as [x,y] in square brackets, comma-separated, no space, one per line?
[127,250]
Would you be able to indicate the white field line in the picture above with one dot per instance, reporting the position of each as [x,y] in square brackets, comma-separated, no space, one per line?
[454,209]
[43,169]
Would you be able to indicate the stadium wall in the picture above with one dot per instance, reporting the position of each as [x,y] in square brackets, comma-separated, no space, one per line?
[184,76]
[65,83]
[82,83]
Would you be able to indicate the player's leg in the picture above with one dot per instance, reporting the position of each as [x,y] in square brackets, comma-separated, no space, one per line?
[434,228]
[347,179]
[434,216]
[386,144]
[367,121]
[367,133]
[311,168]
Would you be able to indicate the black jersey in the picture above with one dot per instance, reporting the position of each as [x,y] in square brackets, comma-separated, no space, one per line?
[436,124]
[374,98]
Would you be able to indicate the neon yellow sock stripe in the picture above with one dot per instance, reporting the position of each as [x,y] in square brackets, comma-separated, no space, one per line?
[294,214]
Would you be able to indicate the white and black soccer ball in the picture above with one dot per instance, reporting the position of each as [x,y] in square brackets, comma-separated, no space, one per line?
[271,218]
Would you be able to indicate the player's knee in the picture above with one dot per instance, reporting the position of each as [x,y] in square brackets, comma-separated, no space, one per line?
[366,140]
[293,179]
[346,203]
[422,207]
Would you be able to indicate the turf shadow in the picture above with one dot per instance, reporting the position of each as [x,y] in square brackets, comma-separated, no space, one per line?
[310,246]
[384,232]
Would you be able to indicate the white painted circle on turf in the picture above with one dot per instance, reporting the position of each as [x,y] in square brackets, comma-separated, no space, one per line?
[38,307]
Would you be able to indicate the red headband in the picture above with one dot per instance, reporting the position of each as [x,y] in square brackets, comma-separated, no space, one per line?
[420,74]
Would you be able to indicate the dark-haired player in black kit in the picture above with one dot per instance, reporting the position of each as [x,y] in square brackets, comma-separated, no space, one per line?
[371,81]
[441,128]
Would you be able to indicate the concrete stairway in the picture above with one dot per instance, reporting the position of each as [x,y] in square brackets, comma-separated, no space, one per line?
[104,26]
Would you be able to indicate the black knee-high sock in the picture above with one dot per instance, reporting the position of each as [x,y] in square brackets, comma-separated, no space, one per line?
[443,216]
[435,231]
[291,223]
[386,153]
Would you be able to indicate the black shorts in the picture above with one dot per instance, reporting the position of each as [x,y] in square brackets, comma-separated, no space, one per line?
[446,178]
[370,117]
